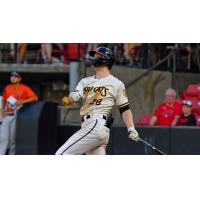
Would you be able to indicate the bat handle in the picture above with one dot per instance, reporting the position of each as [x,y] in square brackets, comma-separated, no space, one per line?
[143,141]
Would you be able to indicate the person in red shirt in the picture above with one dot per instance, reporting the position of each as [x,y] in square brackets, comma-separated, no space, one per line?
[168,112]
[14,97]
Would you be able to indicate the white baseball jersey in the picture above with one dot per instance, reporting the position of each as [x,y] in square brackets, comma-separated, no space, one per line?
[99,96]
[111,92]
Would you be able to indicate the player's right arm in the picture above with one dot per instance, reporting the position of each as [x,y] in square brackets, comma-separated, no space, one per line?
[74,96]
[67,100]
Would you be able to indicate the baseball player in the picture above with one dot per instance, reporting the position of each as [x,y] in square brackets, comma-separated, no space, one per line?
[99,94]
[14,96]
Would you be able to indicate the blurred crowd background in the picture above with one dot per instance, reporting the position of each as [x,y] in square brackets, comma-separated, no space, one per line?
[140,55]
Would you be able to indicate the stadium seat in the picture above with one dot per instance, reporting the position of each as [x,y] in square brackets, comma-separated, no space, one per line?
[198,120]
[185,95]
[182,95]
[144,120]
[196,106]
[193,90]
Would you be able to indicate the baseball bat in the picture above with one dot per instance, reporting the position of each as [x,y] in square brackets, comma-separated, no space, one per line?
[152,147]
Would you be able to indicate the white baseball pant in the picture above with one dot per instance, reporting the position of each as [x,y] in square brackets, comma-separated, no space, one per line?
[91,139]
[8,134]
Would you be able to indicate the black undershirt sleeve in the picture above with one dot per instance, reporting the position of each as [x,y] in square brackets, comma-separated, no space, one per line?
[124,108]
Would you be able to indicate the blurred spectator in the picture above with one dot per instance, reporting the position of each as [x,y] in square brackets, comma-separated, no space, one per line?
[168,112]
[183,52]
[118,51]
[131,52]
[59,54]
[155,53]
[75,51]
[195,57]
[187,118]
[53,53]
[158,51]
[14,97]
[22,50]
[7,53]
[46,53]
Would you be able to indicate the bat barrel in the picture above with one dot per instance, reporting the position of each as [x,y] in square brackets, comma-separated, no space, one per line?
[151,146]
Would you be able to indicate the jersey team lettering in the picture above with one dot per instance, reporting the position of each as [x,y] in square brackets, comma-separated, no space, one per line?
[102,90]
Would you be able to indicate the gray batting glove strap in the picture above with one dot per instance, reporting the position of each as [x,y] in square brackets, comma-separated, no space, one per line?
[133,134]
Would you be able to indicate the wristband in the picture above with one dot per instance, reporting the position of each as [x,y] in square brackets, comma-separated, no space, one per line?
[131,129]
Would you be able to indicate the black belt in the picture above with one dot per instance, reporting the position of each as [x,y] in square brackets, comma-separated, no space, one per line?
[10,114]
[88,117]
[109,120]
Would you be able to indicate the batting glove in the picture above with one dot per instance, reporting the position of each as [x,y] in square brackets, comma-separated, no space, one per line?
[133,134]
[66,101]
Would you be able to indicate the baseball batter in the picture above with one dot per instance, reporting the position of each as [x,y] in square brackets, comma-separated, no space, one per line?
[99,94]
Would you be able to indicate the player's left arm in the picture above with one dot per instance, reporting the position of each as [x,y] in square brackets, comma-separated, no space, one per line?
[127,116]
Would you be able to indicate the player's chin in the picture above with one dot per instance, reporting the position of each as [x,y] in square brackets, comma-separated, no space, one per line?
[98,69]
[95,67]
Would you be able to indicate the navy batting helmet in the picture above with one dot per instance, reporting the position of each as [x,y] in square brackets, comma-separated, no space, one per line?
[105,57]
